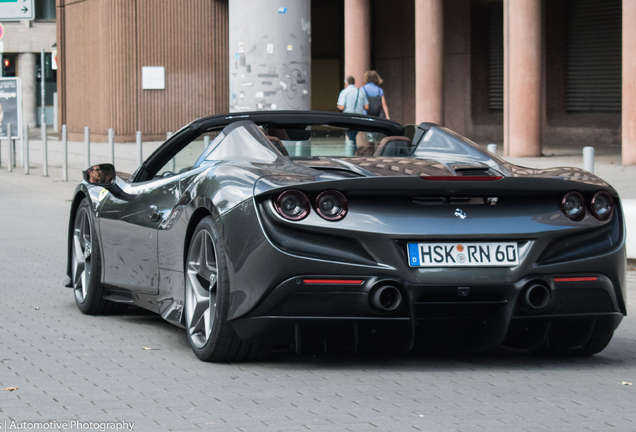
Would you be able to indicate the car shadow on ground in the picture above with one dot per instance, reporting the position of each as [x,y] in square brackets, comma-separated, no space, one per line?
[621,353]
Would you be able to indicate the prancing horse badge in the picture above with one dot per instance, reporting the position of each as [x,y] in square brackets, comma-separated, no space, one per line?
[460,214]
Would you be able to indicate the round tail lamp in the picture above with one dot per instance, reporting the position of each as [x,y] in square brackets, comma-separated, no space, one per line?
[331,205]
[601,205]
[573,206]
[292,205]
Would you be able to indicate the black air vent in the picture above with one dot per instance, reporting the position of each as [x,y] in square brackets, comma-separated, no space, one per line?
[342,172]
[475,172]
[426,200]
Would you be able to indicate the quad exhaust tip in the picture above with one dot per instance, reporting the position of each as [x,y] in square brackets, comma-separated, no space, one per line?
[536,296]
[385,297]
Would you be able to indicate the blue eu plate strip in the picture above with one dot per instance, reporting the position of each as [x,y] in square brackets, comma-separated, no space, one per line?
[414,256]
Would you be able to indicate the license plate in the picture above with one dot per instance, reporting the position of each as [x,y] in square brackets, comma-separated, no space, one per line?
[463,254]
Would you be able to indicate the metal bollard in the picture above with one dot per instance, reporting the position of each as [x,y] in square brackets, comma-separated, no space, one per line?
[65,155]
[139,148]
[22,150]
[492,148]
[11,155]
[26,149]
[87,143]
[45,147]
[206,141]
[588,159]
[111,143]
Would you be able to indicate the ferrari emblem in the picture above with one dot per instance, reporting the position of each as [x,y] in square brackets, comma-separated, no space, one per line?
[460,214]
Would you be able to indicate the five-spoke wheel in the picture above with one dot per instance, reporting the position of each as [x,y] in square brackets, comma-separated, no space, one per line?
[207,301]
[201,289]
[82,250]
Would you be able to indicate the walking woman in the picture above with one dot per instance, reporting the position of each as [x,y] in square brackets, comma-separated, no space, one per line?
[375,95]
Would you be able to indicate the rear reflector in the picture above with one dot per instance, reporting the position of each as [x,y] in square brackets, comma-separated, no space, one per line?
[576,279]
[461,178]
[334,281]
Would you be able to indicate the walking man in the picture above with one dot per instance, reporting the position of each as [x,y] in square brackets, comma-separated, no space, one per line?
[352,100]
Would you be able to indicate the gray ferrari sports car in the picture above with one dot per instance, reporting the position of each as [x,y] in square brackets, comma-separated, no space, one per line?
[307,229]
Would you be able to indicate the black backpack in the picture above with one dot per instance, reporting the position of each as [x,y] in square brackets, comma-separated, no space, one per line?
[375,105]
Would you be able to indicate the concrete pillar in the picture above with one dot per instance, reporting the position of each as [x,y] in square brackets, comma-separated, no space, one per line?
[429,61]
[629,83]
[357,53]
[270,55]
[26,72]
[522,78]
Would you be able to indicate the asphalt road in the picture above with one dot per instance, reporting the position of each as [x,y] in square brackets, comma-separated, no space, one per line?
[70,368]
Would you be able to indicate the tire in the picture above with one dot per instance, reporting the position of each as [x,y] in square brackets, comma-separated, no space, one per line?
[596,344]
[207,301]
[86,266]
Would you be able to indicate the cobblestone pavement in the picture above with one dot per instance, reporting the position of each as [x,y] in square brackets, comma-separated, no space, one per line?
[72,367]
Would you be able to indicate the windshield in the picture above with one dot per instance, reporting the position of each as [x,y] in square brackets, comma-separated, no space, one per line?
[322,140]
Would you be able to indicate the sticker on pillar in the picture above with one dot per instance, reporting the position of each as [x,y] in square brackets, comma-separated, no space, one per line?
[241,47]
[282,10]
[270,48]
[289,48]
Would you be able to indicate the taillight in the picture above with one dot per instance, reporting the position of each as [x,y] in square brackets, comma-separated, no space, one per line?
[573,206]
[331,205]
[601,205]
[292,205]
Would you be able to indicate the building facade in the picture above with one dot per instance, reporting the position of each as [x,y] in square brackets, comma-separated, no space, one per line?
[22,44]
[103,47]
[524,73]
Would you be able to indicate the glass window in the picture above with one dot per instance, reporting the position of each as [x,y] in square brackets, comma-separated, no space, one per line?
[44,10]
[187,158]
[318,140]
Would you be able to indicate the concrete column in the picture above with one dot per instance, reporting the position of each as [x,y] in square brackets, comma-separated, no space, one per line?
[357,52]
[429,61]
[270,55]
[522,78]
[26,72]
[629,83]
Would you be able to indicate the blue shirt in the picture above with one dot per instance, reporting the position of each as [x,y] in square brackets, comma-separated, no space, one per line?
[373,90]
[348,97]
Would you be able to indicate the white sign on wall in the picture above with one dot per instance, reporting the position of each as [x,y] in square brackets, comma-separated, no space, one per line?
[153,78]
[16,10]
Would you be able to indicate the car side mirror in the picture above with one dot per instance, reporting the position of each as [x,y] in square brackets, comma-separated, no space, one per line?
[100,175]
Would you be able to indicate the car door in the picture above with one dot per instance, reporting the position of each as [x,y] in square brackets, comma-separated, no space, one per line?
[129,224]
[129,233]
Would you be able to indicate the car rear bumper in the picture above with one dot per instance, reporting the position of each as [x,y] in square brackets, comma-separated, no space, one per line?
[300,312]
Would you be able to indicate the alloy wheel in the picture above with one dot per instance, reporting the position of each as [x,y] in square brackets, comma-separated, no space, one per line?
[201,289]
[82,252]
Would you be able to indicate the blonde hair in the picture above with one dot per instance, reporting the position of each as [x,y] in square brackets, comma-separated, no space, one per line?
[372,76]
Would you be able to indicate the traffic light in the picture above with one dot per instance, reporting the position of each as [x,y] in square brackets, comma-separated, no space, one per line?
[8,67]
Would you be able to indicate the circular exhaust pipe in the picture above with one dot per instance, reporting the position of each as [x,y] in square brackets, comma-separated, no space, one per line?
[536,296]
[386,297]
